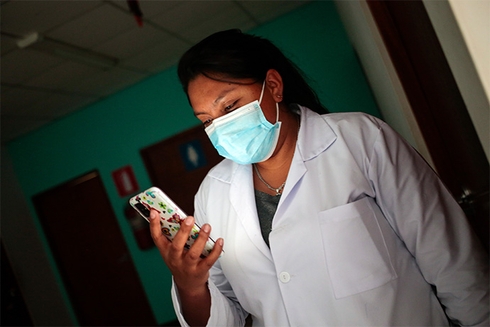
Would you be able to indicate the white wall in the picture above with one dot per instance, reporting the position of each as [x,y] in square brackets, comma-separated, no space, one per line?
[463,29]
[473,18]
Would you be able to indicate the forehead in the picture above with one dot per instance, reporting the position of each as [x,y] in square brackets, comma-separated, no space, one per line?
[203,90]
[202,85]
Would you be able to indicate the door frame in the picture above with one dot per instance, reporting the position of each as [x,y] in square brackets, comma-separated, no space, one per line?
[437,105]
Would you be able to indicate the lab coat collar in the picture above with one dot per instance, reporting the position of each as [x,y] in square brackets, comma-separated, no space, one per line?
[315,134]
[314,137]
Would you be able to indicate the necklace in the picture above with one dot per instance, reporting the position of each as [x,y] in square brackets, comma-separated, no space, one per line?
[277,190]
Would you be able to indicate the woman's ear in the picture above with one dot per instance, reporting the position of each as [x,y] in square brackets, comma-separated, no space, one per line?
[273,82]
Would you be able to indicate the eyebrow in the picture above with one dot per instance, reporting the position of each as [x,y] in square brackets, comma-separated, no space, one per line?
[220,96]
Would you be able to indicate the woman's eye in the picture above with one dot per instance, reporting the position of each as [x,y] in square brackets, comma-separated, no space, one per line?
[208,122]
[230,107]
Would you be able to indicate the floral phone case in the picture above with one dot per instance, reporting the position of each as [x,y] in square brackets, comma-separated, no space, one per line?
[171,215]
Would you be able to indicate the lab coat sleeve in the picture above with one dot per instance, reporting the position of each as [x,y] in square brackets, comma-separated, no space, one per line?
[225,308]
[225,311]
[433,227]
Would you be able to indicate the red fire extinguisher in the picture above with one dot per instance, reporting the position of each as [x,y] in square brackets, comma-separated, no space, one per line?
[140,227]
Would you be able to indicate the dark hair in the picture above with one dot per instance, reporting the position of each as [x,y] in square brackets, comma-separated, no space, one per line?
[236,55]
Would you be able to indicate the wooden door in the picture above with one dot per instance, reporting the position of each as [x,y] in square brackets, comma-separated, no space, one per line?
[91,254]
[178,165]
[437,105]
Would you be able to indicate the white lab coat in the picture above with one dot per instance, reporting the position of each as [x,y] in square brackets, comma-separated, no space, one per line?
[363,226]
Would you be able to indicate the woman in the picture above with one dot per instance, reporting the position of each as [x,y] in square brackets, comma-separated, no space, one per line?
[325,219]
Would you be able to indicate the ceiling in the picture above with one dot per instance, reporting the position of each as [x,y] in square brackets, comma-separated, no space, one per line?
[59,56]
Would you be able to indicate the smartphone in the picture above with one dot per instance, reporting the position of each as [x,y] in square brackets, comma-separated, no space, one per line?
[171,216]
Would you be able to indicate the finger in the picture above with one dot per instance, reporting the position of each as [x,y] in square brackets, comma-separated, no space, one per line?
[214,255]
[156,231]
[198,245]
[217,251]
[180,239]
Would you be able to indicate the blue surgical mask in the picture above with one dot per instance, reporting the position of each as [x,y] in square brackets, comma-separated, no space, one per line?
[245,135]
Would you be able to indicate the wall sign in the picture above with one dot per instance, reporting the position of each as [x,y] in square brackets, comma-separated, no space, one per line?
[178,164]
[125,181]
[192,155]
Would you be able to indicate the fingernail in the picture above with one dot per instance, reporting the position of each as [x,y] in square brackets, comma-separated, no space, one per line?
[220,242]
[188,221]
[206,228]
[153,214]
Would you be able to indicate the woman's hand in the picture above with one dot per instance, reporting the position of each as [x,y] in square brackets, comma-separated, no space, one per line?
[189,270]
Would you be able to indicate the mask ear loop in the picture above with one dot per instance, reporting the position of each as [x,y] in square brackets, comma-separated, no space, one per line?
[262,92]
[277,112]
[277,104]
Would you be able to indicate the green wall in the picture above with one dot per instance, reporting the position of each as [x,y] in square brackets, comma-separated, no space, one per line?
[109,134]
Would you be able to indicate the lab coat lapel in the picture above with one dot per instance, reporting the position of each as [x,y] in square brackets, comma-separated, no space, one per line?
[296,172]
[243,201]
[314,137]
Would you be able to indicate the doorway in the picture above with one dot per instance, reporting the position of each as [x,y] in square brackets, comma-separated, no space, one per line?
[91,254]
[437,105]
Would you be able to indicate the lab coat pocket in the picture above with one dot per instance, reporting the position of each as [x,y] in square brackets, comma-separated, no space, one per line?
[356,253]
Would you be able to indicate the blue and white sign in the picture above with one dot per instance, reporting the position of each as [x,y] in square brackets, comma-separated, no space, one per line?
[193,155]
